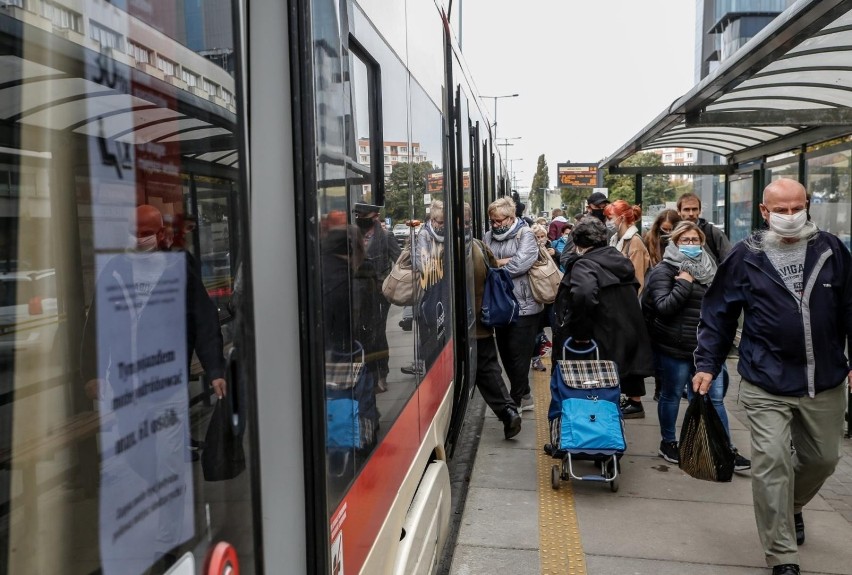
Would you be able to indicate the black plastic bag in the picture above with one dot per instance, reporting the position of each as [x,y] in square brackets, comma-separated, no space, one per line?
[705,448]
[223,456]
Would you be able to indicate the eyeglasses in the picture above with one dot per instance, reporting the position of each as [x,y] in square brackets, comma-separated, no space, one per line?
[688,241]
[504,221]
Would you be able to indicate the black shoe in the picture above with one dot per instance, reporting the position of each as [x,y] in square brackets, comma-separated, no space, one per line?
[511,423]
[799,522]
[741,463]
[414,368]
[632,410]
[669,452]
[786,569]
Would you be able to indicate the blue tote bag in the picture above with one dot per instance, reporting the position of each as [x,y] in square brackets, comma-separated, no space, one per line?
[500,308]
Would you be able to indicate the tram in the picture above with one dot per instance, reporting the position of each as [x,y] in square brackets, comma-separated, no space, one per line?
[177,186]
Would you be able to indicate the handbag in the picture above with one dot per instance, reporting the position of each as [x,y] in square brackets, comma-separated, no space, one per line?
[500,308]
[223,456]
[705,450]
[544,276]
[399,287]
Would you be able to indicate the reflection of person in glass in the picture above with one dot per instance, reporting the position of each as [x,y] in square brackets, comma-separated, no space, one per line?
[138,342]
[382,250]
[431,309]
[350,304]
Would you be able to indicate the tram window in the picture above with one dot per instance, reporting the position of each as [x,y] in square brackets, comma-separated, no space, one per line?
[119,255]
[366,183]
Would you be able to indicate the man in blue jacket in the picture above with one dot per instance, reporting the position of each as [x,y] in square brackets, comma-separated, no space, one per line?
[794,285]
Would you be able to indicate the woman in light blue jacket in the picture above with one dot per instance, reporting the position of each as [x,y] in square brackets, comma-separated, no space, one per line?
[514,245]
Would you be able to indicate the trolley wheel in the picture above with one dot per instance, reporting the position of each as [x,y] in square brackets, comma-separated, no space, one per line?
[613,485]
[554,476]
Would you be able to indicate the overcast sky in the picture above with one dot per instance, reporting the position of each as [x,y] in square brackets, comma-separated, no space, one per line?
[590,73]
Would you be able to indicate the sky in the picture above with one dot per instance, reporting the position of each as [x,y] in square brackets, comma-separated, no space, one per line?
[590,74]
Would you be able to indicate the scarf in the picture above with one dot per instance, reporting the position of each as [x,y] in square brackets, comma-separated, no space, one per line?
[618,243]
[436,237]
[703,269]
[519,223]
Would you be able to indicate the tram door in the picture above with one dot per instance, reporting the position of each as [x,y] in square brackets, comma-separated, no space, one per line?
[125,409]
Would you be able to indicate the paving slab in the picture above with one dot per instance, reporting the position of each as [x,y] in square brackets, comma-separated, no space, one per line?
[500,518]
[476,560]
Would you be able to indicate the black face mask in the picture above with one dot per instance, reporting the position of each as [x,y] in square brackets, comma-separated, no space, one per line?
[364,223]
[599,214]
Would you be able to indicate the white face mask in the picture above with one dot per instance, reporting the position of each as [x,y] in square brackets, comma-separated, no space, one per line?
[146,243]
[788,226]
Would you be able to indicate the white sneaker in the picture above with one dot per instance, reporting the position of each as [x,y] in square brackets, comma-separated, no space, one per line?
[527,403]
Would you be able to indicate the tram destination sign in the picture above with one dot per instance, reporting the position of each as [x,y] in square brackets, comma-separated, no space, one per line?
[577,175]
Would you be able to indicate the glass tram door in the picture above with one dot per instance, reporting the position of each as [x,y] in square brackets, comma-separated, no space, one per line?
[122,303]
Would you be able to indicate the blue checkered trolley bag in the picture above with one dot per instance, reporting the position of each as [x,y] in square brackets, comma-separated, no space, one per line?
[584,415]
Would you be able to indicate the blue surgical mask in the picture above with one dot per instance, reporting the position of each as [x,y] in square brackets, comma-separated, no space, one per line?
[691,252]
[611,225]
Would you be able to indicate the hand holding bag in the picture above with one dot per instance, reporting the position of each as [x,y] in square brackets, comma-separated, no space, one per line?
[705,449]
[223,456]
[399,287]
[544,276]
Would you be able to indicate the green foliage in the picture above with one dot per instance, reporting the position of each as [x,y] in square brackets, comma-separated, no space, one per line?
[574,200]
[656,189]
[540,181]
[404,190]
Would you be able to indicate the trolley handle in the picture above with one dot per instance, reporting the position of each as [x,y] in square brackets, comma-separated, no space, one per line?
[593,347]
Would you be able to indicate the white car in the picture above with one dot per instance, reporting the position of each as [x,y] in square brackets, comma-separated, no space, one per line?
[29,317]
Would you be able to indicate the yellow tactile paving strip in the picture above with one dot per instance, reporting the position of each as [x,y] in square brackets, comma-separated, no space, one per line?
[560,547]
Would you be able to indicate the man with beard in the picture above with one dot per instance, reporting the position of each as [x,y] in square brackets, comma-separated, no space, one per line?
[793,284]
[382,251]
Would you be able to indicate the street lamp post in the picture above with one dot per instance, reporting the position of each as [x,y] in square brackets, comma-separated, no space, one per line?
[495,98]
[506,145]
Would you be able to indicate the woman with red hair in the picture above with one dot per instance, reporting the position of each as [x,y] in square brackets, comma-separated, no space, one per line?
[621,219]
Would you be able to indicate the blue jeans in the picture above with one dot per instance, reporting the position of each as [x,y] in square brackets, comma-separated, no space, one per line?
[677,373]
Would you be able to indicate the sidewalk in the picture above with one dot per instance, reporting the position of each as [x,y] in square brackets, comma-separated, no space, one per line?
[660,522]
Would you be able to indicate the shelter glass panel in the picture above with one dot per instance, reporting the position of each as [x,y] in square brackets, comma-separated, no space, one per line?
[828,183]
[742,204]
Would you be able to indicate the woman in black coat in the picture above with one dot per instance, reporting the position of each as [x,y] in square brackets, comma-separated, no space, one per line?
[597,300]
[672,300]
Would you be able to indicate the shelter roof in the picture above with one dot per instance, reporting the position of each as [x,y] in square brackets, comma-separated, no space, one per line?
[790,85]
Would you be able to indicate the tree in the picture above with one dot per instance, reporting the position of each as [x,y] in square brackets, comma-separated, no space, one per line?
[655,188]
[404,190]
[540,182]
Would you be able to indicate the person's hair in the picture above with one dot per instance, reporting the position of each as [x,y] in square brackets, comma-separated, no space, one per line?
[652,238]
[687,226]
[589,233]
[541,221]
[436,209]
[688,196]
[503,207]
[621,209]
[556,212]
[536,228]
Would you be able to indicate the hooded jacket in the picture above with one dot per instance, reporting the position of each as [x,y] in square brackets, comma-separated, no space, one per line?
[788,347]
[522,249]
[597,299]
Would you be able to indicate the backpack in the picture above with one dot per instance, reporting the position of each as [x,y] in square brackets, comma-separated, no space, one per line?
[500,308]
